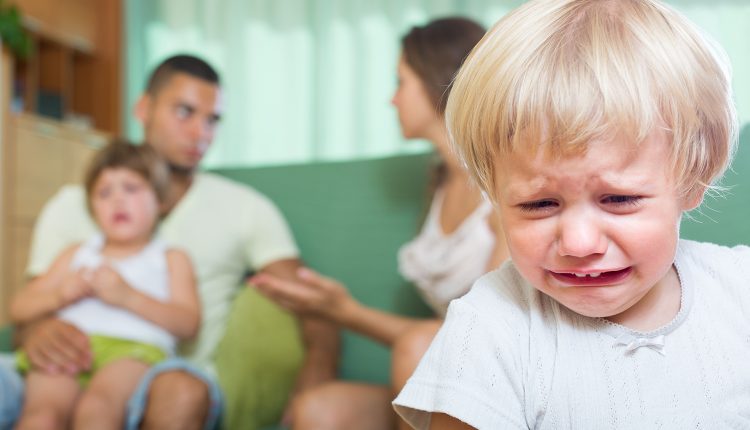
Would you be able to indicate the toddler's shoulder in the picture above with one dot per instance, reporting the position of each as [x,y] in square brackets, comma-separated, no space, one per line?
[712,264]
[503,293]
[711,254]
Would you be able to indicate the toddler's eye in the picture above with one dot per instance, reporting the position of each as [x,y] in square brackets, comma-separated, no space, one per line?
[538,205]
[620,200]
[132,188]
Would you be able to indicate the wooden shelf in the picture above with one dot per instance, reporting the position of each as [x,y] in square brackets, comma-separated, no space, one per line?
[68,22]
[75,70]
[74,74]
[40,156]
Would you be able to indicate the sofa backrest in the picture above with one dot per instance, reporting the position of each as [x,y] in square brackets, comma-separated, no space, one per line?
[349,219]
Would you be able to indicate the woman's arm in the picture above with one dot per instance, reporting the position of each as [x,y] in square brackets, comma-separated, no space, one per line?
[50,292]
[180,316]
[317,295]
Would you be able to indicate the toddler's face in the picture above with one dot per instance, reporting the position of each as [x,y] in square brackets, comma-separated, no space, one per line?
[596,232]
[124,205]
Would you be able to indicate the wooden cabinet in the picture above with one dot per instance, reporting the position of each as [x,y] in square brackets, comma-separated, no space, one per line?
[73,76]
[75,71]
[41,156]
[70,22]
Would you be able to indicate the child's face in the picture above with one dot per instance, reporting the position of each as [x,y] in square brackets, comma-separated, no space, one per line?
[124,205]
[596,232]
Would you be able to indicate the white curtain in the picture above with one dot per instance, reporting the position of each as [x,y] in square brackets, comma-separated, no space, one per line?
[312,79]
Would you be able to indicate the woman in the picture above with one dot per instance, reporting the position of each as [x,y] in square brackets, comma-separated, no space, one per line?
[460,241]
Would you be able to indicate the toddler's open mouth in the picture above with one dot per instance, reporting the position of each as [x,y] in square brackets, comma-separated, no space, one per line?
[591,278]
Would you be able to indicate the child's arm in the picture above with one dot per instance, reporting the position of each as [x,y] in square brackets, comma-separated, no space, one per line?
[447,422]
[50,292]
[180,316]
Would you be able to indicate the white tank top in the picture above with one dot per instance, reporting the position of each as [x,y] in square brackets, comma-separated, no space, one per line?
[146,272]
[443,267]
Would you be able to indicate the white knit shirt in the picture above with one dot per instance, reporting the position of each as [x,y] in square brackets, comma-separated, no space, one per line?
[509,357]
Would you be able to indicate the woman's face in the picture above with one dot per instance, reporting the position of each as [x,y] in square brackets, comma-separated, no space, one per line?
[416,112]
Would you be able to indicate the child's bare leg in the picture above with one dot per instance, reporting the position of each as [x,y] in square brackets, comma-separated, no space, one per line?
[103,404]
[49,401]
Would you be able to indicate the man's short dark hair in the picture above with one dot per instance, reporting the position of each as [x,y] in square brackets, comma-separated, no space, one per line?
[182,63]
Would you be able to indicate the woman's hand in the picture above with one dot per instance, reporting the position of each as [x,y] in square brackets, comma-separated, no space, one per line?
[313,294]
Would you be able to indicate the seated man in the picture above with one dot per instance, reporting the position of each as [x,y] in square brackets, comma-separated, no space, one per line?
[226,229]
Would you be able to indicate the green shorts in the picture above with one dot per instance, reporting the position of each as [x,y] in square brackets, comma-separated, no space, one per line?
[106,350]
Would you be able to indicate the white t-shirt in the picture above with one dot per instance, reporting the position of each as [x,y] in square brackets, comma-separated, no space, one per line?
[226,228]
[509,357]
[444,266]
[146,271]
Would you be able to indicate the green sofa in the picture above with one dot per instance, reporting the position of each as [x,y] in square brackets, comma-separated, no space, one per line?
[724,217]
[349,219]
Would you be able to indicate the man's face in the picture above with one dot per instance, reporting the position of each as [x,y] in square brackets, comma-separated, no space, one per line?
[181,118]
[596,232]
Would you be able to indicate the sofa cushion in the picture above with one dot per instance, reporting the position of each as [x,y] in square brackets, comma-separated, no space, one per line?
[6,339]
[257,361]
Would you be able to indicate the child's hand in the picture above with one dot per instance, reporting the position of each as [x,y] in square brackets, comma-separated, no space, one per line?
[109,286]
[75,286]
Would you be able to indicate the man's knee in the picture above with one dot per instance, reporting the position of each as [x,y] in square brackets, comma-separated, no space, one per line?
[176,400]
[180,388]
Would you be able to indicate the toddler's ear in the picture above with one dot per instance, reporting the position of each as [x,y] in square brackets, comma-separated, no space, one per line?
[694,198]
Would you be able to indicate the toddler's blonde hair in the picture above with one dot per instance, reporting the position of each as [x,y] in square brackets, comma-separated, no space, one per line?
[553,75]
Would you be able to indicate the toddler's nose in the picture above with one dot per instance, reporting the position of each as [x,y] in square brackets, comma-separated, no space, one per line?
[580,234]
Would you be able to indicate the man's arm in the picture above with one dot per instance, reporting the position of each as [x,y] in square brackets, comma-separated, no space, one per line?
[55,346]
[320,338]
